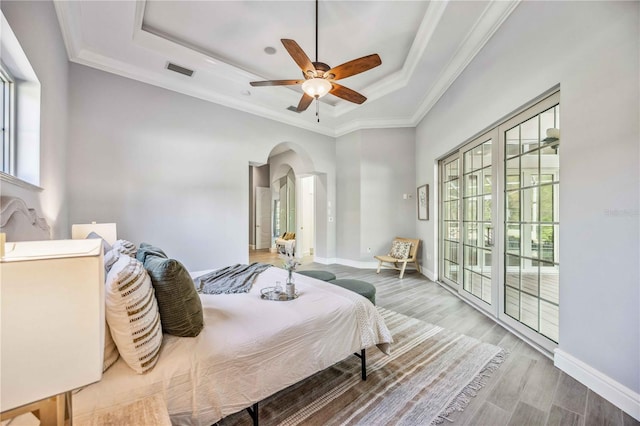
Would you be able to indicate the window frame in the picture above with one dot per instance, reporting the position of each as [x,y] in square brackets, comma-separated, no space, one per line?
[7,121]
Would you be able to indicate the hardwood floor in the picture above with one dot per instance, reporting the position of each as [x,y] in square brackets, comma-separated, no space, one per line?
[526,390]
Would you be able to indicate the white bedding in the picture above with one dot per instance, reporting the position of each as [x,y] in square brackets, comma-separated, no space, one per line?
[249,349]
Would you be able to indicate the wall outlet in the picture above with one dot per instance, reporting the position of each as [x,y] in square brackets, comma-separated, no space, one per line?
[368,249]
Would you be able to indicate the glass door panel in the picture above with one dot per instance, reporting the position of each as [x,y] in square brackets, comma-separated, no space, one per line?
[477,220]
[450,222]
[531,220]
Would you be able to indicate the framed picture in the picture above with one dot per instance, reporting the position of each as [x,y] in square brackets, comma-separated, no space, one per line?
[423,202]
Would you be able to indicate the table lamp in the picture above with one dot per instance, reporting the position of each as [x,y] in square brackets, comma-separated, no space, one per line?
[105,230]
[52,322]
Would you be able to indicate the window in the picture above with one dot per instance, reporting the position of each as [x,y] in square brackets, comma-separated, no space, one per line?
[20,95]
[6,117]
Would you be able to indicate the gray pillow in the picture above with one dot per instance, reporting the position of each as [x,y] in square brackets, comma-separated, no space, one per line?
[178,301]
[146,249]
[105,245]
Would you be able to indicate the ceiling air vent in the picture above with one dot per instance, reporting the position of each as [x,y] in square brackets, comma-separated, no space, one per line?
[294,109]
[179,69]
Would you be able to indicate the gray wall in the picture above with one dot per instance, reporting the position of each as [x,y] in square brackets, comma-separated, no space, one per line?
[171,169]
[374,169]
[591,50]
[49,61]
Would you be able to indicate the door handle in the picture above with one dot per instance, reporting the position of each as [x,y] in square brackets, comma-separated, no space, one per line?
[489,237]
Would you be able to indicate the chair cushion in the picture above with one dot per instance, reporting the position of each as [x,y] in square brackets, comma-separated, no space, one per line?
[400,249]
[363,288]
[319,275]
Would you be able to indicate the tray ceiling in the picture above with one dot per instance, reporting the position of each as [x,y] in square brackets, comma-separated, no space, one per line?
[424,46]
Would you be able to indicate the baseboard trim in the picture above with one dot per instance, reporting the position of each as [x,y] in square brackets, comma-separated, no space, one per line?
[618,394]
[429,274]
[252,246]
[353,263]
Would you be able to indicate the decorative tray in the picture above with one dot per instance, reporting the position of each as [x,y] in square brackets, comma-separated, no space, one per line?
[270,293]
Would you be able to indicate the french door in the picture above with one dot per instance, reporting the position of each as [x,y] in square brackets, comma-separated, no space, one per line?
[499,221]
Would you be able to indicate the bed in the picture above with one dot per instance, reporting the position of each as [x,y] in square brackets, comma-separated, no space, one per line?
[249,349]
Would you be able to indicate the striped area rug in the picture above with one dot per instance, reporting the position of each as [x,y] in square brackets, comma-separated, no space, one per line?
[430,373]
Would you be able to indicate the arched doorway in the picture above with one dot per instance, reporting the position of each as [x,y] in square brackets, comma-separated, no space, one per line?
[293,203]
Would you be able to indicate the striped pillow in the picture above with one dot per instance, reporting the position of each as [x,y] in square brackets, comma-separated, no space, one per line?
[125,247]
[132,314]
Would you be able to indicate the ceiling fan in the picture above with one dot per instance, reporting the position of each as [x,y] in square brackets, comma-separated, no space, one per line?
[320,78]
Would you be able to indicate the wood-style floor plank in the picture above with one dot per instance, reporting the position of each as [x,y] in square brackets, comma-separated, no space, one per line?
[526,389]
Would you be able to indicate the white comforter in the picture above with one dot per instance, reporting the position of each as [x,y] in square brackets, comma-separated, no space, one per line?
[249,349]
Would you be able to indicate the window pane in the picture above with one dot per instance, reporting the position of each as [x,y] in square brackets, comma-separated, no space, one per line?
[513,239]
[486,154]
[472,184]
[513,206]
[513,173]
[529,135]
[512,141]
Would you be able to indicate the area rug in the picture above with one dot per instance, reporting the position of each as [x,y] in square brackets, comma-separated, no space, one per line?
[430,373]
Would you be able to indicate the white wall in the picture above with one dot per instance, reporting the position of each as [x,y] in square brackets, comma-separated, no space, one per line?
[46,53]
[374,169]
[591,49]
[171,169]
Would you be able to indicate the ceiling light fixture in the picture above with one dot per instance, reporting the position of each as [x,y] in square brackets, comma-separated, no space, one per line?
[320,78]
[316,87]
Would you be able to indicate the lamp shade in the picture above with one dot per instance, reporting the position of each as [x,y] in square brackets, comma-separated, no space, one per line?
[316,87]
[105,230]
[52,318]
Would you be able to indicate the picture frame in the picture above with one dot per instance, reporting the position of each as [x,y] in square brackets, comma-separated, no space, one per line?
[423,202]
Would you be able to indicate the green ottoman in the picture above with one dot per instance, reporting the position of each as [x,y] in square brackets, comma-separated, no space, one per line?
[363,288]
[319,275]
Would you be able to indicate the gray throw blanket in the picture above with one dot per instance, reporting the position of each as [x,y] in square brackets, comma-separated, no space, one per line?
[232,279]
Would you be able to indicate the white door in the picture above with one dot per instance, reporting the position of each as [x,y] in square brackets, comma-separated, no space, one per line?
[263,218]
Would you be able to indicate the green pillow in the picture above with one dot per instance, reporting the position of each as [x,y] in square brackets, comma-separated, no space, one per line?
[178,301]
[146,248]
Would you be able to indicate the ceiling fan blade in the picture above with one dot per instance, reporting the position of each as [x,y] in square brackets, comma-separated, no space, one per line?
[299,56]
[276,83]
[347,94]
[304,102]
[354,67]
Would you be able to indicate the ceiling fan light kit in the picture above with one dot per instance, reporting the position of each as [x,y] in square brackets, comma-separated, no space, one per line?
[320,78]
[316,87]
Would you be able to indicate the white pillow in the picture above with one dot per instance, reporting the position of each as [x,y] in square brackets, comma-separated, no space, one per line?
[132,314]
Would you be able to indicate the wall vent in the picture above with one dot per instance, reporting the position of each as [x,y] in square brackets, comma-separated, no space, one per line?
[294,109]
[179,69]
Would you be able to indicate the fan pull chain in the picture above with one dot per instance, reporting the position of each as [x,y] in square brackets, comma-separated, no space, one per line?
[318,109]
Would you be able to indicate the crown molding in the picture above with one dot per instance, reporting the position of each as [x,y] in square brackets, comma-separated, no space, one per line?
[401,78]
[488,23]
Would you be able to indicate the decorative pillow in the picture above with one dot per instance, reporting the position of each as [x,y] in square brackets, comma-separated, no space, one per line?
[400,249]
[146,249]
[111,354]
[178,301]
[125,247]
[132,314]
[105,245]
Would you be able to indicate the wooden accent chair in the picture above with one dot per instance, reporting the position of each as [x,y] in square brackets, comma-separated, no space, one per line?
[399,264]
